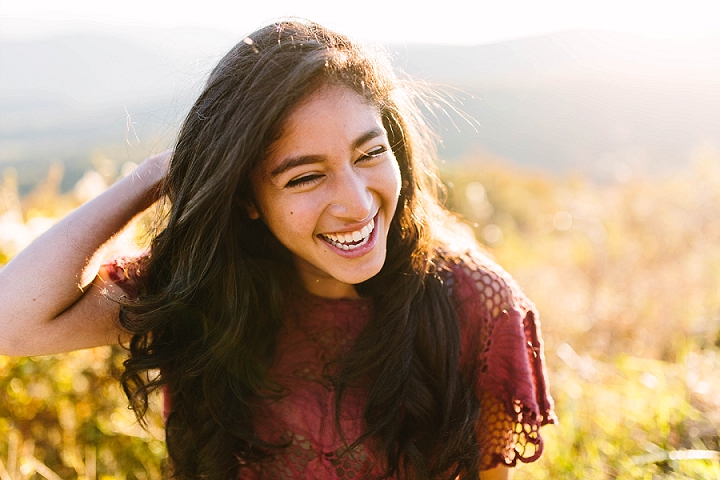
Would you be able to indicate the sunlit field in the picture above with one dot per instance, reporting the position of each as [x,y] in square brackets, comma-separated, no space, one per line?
[626,277]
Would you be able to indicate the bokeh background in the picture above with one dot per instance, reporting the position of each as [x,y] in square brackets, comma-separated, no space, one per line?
[581,143]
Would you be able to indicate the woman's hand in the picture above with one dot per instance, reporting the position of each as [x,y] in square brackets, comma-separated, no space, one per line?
[53,294]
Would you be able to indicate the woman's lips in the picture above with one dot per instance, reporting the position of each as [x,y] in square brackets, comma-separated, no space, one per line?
[350,240]
[353,248]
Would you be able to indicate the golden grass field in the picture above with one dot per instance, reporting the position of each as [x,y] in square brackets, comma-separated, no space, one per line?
[626,277]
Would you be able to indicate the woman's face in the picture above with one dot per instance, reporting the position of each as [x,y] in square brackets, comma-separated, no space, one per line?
[328,190]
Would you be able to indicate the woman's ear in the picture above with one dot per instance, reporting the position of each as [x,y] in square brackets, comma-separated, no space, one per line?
[251,210]
[249,206]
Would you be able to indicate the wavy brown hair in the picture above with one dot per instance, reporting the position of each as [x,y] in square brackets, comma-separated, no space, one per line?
[210,294]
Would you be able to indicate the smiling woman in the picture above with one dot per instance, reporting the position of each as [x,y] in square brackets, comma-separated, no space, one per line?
[328,190]
[312,309]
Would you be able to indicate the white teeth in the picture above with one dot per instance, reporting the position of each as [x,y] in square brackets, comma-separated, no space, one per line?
[341,240]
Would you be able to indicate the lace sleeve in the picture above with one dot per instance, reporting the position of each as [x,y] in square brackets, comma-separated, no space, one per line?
[502,355]
[126,272]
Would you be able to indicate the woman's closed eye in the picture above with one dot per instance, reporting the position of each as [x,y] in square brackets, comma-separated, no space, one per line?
[303,180]
[372,153]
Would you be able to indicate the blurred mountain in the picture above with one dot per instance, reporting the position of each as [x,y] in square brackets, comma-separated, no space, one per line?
[595,102]
[63,98]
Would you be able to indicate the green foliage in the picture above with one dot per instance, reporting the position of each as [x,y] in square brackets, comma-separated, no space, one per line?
[626,277]
[68,413]
[633,418]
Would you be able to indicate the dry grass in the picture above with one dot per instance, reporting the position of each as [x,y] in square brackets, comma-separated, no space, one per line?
[626,278]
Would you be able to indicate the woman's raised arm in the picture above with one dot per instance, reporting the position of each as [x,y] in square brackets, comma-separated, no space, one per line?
[52,294]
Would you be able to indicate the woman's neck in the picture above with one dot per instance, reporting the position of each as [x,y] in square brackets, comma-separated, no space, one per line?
[328,288]
[320,283]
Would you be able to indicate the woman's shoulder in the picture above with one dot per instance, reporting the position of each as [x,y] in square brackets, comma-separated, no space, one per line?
[501,355]
[472,276]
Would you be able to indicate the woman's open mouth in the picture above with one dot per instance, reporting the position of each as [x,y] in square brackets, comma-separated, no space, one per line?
[350,240]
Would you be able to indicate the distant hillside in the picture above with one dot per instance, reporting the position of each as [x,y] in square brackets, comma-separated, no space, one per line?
[587,101]
[62,98]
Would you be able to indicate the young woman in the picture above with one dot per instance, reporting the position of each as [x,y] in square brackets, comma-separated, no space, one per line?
[311,308]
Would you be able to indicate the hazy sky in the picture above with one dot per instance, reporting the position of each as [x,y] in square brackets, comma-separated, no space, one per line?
[412,21]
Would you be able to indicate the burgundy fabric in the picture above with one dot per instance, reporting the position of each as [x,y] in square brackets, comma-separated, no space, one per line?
[502,350]
[501,354]
[124,272]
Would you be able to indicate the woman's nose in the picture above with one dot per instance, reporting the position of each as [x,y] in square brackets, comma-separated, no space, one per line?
[352,196]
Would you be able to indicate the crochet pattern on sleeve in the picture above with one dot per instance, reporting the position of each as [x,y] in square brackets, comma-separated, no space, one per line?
[502,356]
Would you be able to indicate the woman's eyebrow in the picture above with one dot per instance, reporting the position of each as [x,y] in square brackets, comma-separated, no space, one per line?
[292,162]
[369,135]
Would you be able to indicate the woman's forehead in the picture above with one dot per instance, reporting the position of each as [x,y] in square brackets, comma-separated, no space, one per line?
[332,116]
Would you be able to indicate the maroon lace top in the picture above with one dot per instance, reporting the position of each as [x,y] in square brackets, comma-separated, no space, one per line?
[501,351]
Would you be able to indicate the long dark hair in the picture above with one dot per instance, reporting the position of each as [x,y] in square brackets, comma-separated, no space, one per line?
[210,293]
